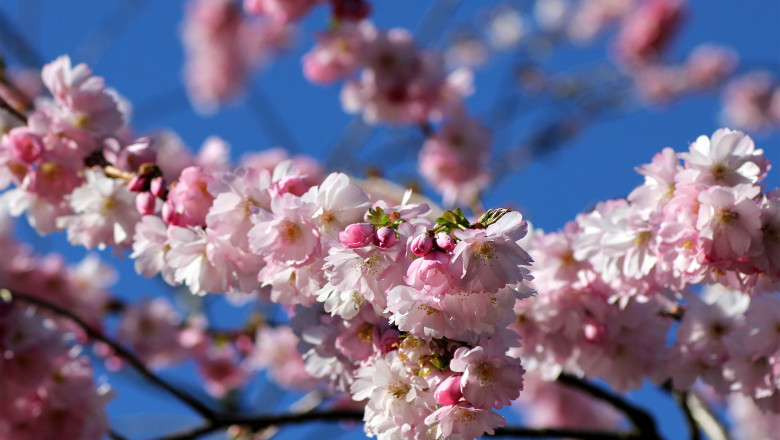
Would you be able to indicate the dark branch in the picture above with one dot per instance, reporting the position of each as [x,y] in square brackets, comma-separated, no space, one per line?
[120,351]
[641,420]
[564,433]
[14,112]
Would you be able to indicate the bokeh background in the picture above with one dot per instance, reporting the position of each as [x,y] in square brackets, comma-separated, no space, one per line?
[135,45]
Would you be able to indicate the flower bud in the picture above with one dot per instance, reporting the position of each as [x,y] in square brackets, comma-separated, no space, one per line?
[145,203]
[157,187]
[445,241]
[386,237]
[448,392]
[24,145]
[421,245]
[357,235]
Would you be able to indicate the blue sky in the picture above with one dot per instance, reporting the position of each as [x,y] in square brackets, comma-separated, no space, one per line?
[144,61]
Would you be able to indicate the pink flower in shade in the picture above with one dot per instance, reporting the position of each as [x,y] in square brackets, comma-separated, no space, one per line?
[152,329]
[486,260]
[280,10]
[729,222]
[454,160]
[464,422]
[752,102]
[395,398]
[285,235]
[189,200]
[358,235]
[769,260]
[419,314]
[337,54]
[490,379]
[709,65]
[430,274]
[647,31]
[220,370]
[728,158]
[275,350]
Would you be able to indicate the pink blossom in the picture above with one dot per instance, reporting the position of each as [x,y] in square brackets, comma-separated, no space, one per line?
[220,370]
[152,329]
[280,10]
[491,379]
[752,102]
[709,65]
[486,260]
[430,274]
[728,158]
[189,200]
[358,235]
[648,30]
[462,421]
[445,242]
[730,222]
[454,160]
[285,235]
[337,54]
[23,144]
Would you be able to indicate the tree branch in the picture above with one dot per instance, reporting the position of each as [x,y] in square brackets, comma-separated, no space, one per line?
[13,111]
[120,351]
[642,421]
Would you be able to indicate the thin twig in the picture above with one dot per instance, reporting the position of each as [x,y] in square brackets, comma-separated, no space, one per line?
[273,124]
[115,435]
[17,44]
[11,110]
[521,432]
[95,45]
[118,349]
[641,420]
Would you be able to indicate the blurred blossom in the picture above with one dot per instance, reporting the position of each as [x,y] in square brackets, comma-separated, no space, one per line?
[752,102]
[506,28]
[466,49]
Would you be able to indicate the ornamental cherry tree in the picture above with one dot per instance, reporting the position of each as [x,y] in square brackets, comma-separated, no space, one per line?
[368,301]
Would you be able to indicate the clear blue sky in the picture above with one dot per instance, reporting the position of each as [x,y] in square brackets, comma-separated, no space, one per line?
[144,61]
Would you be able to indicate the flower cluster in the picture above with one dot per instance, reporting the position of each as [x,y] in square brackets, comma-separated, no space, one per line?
[614,280]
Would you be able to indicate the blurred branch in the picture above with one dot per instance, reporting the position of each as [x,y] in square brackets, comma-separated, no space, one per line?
[17,44]
[697,414]
[642,421]
[95,45]
[13,111]
[119,350]
[273,124]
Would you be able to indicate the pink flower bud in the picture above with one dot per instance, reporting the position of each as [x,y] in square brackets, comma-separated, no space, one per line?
[24,145]
[157,187]
[139,183]
[357,235]
[421,245]
[448,392]
[386,237]
[145,203]
[445,241]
